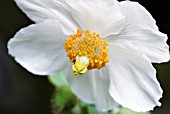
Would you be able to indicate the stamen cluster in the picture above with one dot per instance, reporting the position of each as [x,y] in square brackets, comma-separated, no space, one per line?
[81,44]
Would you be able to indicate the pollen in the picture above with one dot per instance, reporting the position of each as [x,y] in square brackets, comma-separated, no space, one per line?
[85,43]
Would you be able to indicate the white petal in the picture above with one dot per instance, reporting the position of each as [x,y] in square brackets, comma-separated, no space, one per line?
[100,16]
[133,82]
[40,48]
[93,88]
[40,10]
[141,30]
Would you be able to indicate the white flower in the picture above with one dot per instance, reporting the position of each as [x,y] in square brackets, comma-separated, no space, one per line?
[134,42]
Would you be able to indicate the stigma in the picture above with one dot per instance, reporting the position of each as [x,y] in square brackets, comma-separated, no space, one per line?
[87,51]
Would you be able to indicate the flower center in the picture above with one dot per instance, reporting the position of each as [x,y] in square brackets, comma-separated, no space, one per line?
[87,51]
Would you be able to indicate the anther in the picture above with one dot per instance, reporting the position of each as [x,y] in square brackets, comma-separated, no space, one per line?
[85,46]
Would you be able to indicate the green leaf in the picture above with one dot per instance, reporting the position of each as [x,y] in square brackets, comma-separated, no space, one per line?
[79,108]
[58,80]
[93,110]
[64,97]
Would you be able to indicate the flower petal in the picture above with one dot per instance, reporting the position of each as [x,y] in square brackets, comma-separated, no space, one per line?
[40,10]
[93,88]
[133,82]
[141,30]
[40,48]
[100,16]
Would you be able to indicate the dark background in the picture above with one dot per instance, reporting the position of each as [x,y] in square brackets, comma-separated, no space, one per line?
[23,93]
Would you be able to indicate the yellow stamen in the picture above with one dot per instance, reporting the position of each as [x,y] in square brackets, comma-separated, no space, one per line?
[85,44]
